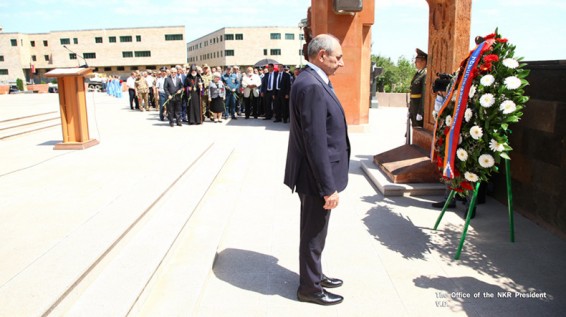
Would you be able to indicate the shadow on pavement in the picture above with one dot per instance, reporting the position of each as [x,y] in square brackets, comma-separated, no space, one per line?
[256,272]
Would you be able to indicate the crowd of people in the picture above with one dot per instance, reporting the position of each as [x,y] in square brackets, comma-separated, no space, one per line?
[192,94]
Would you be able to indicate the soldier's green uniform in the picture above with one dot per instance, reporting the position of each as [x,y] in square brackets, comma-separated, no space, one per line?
[205,104]
[416,103]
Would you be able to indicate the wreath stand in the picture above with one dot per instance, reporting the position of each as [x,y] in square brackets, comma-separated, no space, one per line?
[473,205]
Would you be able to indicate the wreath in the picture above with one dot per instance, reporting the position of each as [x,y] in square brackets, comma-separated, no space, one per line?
[472,128]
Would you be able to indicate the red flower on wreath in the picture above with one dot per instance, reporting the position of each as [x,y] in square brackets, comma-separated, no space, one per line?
[486,67]
[500,40]
[491,58]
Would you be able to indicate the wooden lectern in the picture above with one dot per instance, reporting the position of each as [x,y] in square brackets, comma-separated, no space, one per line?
[72,103]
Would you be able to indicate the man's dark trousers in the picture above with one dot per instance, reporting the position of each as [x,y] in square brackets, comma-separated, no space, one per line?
[314,227]
[133,99]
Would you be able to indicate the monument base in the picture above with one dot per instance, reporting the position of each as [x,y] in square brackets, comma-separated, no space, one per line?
[407,164]
[75,145]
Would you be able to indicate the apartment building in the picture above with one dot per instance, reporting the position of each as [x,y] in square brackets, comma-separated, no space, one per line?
[115,51]
[247,45]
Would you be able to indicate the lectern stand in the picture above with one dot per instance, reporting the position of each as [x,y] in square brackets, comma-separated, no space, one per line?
[72,103]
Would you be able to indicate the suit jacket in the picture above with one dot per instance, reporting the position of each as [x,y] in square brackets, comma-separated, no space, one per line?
[284,84]
[318,155]
[170,88]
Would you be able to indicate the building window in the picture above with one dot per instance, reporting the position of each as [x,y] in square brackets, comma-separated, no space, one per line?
[65,41]
[138,38]
[107,69]
[301,52]
[32,43]
[112,39]
[127,54]
[229,53]
[75,40]
[120,68]
[34,58]
[239,37]
[14,42]
[289,36]
[126,38]
[142,53]
[275,51]
[46,58]
[265,51]
[89,55]
[173,37]
[275,36]
[1,58]
[134,68]
[72,56]
[3,72]
[45,43]
[301,37]
[221,38]
[98,39]
[229,37]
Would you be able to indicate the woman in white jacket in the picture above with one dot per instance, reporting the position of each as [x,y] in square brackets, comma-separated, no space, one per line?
[251,83]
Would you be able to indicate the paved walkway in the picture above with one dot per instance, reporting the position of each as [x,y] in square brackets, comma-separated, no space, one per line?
[59,211]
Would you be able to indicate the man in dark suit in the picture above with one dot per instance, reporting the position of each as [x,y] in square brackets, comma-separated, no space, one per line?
[318,159]
[268,91]
[283,88]
[173,87]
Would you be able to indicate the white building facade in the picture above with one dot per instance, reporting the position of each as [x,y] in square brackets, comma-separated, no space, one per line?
[112,51]
[247,45]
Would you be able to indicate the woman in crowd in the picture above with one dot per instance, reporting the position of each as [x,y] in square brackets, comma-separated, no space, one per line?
[216,96]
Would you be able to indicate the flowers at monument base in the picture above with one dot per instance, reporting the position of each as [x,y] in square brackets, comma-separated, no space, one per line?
[472,128]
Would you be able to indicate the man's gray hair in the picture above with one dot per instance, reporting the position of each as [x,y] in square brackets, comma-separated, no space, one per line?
[325,42]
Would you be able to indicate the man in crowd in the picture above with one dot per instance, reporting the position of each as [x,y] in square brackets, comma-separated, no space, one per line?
[283,89]
[232,83]
[173,87]
[131,83]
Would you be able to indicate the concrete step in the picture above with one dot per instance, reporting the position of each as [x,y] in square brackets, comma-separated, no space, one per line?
[40,283]
[115,283]
[176,288]
[17,126]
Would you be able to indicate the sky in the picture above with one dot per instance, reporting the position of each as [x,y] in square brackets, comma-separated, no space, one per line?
[400,25]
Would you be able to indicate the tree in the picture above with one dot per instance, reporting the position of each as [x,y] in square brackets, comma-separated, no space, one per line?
[394,78]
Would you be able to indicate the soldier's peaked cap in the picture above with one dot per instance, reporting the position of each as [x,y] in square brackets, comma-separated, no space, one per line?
[421,54]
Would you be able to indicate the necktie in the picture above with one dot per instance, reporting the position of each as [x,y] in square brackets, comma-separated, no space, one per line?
[270,79]
[278,81]
[330,85]
[174,81]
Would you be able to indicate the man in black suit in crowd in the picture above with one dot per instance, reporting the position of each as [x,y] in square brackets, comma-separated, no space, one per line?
[173,87]
[318,159]
[283,88]
[268,91]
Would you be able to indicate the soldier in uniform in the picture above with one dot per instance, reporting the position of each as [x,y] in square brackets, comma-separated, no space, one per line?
[206,78]
[416,103]
[142,90]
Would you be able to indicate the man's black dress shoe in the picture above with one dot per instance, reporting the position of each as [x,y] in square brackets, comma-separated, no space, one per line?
[321,298]
[277,120]
[440,204]
[329,282]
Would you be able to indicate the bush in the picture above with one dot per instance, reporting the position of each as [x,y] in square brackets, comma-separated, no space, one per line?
[20,84]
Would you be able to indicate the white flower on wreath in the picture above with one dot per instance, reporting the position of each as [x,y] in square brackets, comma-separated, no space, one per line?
[448,120]
[472,91]
[496,146]
[487,100]
[471,177]
[510,63]
[487,80]
[512,82]
[460,139]
[486,161]
[462,154]
[476,132]
[508,106]
[468,114]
